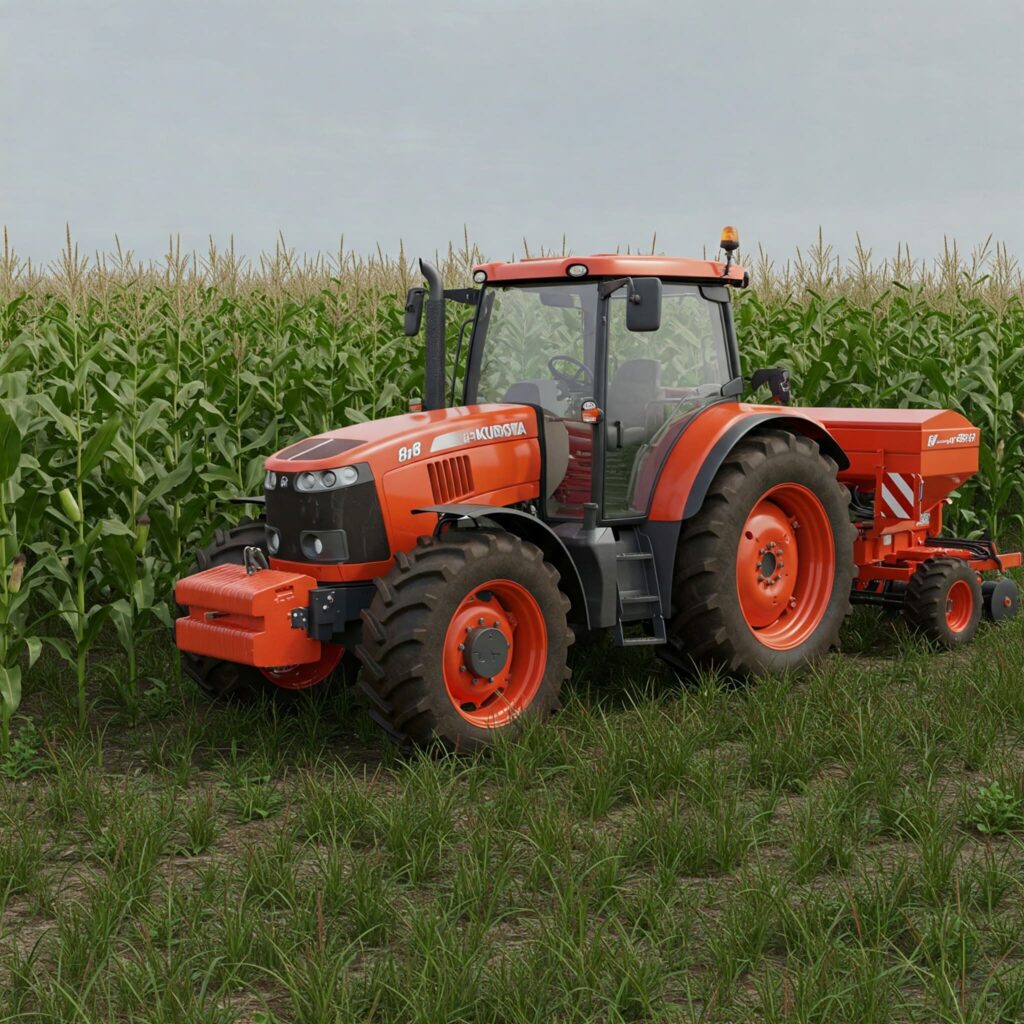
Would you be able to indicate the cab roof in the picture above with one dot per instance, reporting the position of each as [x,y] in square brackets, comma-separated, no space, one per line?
[605,264]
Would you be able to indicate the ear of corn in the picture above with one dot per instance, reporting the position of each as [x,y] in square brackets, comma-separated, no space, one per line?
[137,398]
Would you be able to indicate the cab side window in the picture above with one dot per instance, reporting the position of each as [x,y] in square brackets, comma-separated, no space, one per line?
[653,378]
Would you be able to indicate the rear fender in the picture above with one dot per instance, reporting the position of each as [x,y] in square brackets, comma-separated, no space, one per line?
[725,444]
[528,528]
[705,445]
[683,487]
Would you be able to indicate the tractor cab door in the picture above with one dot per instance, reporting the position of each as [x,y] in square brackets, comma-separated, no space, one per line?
[536,344]
[656,382]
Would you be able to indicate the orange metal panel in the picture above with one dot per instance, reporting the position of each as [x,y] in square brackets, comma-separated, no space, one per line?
[896,554]
[496,444]
[414,437]
[607,264]
[938,445]
[243,618]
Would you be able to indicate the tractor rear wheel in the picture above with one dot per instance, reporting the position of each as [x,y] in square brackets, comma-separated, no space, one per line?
[764,569]
[944,601]
[466,638]
[226,680]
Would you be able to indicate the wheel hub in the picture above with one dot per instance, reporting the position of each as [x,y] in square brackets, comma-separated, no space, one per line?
[767,564]
[495,651]
[486,651]
[959,606]
[785,566]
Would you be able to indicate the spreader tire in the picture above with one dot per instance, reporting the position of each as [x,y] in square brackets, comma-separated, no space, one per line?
[449,612]
[227,680]
[944,601]
[764,569]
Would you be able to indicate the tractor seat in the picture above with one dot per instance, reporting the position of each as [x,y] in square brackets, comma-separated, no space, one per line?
[632,389]
[536,392]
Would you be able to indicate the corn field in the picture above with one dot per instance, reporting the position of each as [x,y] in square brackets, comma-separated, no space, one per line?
[138,398]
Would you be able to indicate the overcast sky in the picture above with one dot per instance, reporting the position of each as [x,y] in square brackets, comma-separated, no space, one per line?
[598,120]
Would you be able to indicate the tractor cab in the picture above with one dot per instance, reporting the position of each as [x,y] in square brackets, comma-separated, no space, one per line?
[616,353]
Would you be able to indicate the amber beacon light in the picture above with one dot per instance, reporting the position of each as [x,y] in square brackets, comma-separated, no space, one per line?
[730,242]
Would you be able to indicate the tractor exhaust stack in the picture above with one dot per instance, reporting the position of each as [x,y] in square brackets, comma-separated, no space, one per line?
[433,371]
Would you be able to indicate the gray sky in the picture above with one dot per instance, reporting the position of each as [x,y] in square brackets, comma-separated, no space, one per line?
[603,121]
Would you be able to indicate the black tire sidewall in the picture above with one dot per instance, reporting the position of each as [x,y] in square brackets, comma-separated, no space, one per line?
[927,612]
[403,674]
[797,464]
[535,578]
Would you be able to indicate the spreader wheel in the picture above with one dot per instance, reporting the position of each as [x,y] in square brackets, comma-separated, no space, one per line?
[764,569]
[226,680]
[944,601]
[466,637]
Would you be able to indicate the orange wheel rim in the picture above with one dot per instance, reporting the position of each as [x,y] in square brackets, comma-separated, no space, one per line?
[959,606]
[785,566]
[301,677]
[495,653]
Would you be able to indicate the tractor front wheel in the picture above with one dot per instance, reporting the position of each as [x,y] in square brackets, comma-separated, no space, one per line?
[226,680]
[466,638]
[764,569]
[944,601]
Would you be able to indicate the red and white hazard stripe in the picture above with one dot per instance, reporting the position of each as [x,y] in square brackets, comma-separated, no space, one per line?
[899,496]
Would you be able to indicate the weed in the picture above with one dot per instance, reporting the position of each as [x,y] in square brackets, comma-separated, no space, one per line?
[996,811]
[23,757]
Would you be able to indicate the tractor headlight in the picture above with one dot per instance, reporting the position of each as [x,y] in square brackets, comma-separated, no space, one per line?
[271,482]
[310,482]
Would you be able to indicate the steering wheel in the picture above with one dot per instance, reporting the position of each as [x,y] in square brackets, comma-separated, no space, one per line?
[571,382]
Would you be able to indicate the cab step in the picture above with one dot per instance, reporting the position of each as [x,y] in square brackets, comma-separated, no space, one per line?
[639,622]
[636,641]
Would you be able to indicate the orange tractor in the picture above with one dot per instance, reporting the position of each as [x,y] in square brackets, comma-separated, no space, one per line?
[601,472]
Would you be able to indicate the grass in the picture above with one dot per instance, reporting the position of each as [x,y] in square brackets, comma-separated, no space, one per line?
[845,846]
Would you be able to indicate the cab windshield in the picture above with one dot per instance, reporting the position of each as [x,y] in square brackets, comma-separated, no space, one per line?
[537,341]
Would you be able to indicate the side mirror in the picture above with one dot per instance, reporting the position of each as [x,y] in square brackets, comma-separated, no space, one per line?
[643,306]
[413,312]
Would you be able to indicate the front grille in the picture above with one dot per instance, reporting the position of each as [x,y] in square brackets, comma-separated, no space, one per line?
[450,479]
[350,517]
